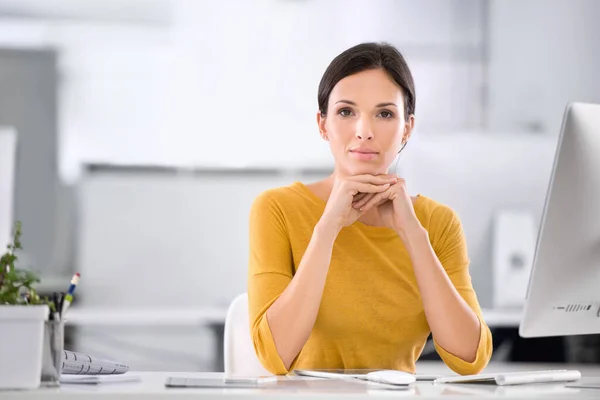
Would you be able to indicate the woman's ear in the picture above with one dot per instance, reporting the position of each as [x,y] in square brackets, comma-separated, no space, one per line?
[321,124]
[408,128]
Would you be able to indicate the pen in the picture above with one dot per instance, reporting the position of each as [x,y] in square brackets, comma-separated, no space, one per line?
[61,301]
[68,298]
[55,312]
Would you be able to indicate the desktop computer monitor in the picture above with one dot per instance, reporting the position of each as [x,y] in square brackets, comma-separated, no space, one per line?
[563,294]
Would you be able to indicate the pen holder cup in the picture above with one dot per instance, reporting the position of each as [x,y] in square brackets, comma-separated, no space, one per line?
[52,352]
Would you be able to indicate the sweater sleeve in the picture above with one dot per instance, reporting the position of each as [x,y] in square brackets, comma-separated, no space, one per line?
[270,270]
[450,245]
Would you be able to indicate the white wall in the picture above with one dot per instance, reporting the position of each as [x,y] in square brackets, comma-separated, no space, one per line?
[111,84]
[256,85]
[542,54]
[217,78]
[155,85]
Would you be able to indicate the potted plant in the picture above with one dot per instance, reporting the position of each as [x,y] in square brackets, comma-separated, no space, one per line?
[22,317]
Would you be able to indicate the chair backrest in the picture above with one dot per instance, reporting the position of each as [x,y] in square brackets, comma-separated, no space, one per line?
[8,145]
[240,357]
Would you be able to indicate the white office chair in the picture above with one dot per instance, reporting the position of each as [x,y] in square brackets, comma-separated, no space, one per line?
[240,357]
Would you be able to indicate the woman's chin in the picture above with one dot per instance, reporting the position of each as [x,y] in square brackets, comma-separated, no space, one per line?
[365,169]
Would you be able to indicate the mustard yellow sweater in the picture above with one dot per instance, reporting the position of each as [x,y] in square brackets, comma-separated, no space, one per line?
[371,314]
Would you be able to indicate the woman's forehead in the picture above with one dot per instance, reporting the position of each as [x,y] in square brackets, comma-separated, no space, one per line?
[369,87]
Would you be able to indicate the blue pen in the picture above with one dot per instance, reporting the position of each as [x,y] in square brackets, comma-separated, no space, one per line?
[69,295]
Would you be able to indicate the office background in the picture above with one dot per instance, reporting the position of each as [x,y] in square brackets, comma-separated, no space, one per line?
[145,128]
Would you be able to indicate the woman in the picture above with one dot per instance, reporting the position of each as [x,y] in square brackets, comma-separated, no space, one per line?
[351,272]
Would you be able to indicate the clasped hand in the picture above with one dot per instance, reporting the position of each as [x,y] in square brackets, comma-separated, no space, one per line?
[353,196]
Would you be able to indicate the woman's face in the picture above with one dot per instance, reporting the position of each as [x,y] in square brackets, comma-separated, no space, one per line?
[365,123]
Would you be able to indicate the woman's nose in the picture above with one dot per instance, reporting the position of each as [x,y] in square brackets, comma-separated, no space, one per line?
[363,130]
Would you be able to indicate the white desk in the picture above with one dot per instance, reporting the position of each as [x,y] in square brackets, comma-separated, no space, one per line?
[152,387]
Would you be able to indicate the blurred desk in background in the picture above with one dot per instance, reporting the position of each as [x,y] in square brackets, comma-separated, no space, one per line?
[212,318]
[203,316]
[502,318]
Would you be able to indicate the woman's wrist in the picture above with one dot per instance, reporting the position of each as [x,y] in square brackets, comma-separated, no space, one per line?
[326,230]
[413,236]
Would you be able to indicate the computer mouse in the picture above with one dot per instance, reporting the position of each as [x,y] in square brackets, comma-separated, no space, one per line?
[392,377]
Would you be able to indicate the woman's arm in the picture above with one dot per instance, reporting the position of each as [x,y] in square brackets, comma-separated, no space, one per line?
[441,267]
[292,316]
[454,325]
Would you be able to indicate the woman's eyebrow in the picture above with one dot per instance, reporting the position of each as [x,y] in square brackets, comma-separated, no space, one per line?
[387,104]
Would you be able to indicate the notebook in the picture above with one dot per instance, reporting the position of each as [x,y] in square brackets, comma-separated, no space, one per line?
[97,379]
[76,363]
[515,378]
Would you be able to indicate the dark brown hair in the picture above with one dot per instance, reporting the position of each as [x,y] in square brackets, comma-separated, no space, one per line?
[363,57]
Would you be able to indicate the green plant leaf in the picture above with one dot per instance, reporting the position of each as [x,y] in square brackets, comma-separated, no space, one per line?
[17,285]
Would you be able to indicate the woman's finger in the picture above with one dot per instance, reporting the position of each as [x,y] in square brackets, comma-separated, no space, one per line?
[375,179]
[359,197]
[357,204]
[360,187]
[376,200]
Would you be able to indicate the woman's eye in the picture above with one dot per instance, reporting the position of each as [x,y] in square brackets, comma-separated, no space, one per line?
[345,112]
[386,114]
